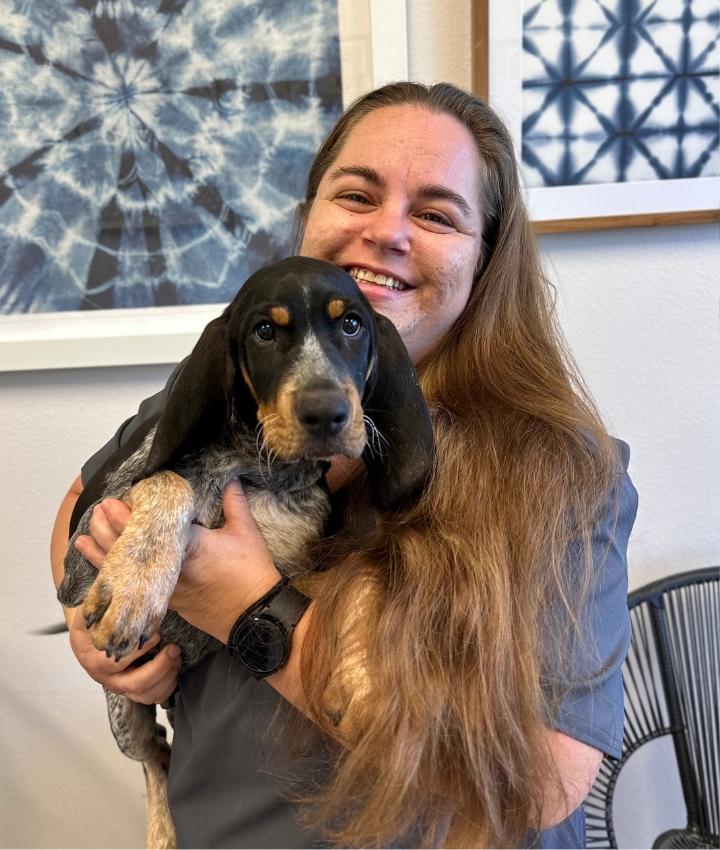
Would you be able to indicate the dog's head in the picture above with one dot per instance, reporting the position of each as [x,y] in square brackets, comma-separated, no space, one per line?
[301,352]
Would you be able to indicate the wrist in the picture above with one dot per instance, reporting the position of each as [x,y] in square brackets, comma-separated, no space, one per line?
[261,637]
[238,604]
[270,577]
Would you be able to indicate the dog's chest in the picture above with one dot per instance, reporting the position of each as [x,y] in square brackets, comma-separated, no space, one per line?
[288,501]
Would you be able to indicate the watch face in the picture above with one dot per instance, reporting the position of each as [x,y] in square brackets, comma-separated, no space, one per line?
[261,644]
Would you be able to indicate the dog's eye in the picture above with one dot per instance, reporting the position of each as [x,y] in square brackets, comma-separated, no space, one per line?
[351,325]
[265,331]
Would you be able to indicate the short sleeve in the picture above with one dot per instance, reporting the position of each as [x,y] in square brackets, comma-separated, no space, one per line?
[147,408]
[592,707]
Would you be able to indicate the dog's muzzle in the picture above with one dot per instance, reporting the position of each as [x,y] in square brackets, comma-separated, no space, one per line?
[322,411]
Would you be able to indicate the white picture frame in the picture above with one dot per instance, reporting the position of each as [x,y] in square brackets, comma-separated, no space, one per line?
[595,206]
[373,43]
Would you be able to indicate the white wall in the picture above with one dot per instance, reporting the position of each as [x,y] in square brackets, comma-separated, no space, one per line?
[640,308]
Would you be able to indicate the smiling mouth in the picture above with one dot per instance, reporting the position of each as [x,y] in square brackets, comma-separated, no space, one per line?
[358,273]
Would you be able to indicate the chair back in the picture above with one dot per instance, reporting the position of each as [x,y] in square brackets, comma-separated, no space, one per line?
[671,680]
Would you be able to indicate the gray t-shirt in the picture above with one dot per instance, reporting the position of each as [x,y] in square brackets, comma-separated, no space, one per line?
[230,774]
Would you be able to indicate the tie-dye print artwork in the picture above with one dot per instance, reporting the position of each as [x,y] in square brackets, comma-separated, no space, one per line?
[152,153]
[619,91]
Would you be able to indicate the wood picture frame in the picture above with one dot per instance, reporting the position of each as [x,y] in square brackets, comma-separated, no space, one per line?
[373,42]
[497,78]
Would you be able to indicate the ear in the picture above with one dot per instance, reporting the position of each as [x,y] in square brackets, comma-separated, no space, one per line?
[399,457]
[200,401]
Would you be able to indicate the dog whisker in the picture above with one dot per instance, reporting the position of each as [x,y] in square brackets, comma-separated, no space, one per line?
[264,452]
[377,443]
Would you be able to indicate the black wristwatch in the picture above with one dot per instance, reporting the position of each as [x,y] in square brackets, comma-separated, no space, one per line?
[262,636]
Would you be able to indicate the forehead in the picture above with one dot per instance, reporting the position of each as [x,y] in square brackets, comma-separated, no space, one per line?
[421,146]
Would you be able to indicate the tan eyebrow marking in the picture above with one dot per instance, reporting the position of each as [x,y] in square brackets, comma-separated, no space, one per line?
[363,171]
[280,315]
[336,308]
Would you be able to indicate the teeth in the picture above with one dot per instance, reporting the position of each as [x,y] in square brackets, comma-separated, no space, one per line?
[380,279]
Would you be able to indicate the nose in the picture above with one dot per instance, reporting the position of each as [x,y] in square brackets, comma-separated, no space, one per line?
[388,227]
[323,412]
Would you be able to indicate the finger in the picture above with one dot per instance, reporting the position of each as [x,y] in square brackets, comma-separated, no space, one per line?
[90,550]
[160,691]
[95,662]
[142,680]
[104,669]
[235,506]
[102,531]
[117,513]
[192,547]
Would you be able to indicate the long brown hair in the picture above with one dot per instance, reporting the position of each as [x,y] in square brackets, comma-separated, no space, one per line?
[436,640]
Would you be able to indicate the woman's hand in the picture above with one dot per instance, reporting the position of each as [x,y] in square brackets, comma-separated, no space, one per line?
[225,570]
[152,682]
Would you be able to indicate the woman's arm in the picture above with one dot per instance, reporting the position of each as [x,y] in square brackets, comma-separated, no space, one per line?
[229,568]
[225,570]
[59,539]
[577,764]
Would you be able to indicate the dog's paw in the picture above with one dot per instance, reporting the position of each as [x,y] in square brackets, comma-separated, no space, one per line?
[128,600]
[120,618]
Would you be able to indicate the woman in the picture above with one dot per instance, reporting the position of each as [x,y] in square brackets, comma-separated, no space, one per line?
[476,639]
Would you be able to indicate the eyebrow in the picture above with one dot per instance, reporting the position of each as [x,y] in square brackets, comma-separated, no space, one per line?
[427,191]
[442,193]
[363,171]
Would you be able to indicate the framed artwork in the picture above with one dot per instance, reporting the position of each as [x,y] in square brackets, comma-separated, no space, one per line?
[614,107]
[152,154]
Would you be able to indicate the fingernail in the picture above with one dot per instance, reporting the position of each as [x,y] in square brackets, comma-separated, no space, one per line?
[174,651]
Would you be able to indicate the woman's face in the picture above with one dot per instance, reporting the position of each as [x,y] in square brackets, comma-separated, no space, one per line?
[401,206]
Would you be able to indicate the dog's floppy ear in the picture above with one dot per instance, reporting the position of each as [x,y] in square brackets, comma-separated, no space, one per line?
[399,456]
[200,400]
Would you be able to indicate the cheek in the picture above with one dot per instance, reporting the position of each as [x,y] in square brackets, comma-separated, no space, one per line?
[463,272]
[452,285]
[326,231]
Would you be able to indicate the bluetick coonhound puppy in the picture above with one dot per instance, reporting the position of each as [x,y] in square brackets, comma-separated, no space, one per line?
[297,369]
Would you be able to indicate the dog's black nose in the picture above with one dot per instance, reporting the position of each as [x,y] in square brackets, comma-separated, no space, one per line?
[323,413]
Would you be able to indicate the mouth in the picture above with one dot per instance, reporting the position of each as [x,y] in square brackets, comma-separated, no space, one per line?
[358,273]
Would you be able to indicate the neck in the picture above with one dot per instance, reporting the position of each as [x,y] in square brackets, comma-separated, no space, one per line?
[341,472]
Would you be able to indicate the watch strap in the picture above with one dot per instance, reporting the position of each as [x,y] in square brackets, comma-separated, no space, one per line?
[281,607]
[288,605]
[256,607]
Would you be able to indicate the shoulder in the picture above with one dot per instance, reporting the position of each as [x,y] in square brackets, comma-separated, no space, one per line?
[148,408]
[592,709]
[619,518]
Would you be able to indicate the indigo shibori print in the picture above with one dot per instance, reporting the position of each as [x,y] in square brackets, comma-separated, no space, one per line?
[620,90]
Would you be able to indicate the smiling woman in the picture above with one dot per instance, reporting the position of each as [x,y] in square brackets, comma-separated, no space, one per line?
[408,210]
[460,662]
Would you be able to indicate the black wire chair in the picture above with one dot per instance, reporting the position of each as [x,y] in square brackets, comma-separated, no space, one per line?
[671,680]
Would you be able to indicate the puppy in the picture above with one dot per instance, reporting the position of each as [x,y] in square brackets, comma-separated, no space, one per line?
[296,370]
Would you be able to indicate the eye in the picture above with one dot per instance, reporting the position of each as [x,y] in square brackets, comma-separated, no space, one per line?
[264,331]
[436,218]
[351,325]
[355,198]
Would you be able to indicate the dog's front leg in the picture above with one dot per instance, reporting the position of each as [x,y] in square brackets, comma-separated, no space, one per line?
[129,598]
